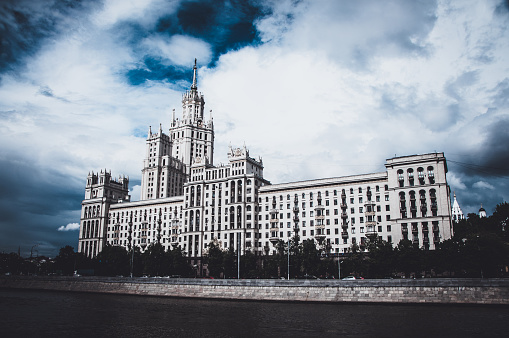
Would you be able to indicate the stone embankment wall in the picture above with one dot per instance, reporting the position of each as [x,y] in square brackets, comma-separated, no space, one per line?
[447,291]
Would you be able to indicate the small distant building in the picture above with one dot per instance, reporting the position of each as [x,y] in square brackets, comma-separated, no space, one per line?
[457,214]
[482,212]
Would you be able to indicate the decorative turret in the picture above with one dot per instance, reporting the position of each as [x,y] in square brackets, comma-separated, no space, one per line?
[192,135]
[457,214]
[482,212]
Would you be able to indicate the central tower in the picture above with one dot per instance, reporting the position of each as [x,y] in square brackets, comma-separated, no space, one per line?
[192,136]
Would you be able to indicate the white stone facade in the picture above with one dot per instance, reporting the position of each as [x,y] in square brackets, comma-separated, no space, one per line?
[186,201]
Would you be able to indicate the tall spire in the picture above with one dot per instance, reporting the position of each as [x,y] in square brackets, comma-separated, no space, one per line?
[193,86]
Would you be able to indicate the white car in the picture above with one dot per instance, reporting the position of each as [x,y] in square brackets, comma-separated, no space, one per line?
[348,278]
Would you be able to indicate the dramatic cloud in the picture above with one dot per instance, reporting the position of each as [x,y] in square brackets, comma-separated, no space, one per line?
[317,88]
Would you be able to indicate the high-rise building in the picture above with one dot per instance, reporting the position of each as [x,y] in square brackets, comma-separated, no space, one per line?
[187,201]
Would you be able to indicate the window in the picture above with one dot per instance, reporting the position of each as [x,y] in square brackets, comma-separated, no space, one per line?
[388,228]
[360,199]
[361,210]
[386,198]
[387,207]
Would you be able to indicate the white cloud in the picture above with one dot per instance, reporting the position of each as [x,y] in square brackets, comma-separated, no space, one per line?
[69,227]
[179,49]
[483,185]
[298,102]
[145,12]
[455,182]
[135,193]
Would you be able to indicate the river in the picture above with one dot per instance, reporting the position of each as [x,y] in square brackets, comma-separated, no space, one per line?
[26,313]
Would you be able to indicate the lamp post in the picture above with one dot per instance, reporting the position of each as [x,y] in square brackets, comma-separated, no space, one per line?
[339,267]
[238,255]
[288,250]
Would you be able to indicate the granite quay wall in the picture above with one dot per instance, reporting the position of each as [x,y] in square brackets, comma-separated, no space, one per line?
[445,291]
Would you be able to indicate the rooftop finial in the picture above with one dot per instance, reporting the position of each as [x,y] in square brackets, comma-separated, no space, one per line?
[194,76]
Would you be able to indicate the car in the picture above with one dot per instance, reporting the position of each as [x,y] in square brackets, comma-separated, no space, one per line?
[348,278]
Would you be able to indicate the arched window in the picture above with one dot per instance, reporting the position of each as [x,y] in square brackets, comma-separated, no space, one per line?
[239,217]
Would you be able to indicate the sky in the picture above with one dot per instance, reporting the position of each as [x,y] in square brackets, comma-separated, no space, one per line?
[317,88]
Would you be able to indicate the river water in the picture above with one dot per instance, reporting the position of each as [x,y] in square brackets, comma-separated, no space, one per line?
[64,314]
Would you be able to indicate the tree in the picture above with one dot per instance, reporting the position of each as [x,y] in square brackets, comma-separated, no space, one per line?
[178,263]
[65,261]
[310,257]
[230,263]
[408,258]
[156,262]
[381,260]
[113,260]
[215,259]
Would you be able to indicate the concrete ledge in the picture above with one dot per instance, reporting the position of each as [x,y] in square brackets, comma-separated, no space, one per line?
[445,291]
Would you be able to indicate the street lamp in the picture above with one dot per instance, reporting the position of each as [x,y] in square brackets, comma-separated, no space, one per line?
[288,259]
[339,267]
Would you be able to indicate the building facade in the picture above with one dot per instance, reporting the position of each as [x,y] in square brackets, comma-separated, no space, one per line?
[187,201]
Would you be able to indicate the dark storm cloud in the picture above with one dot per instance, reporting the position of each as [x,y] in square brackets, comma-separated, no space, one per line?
[224,24]
[502,8]
[153,69]
[494,152]
[26,24]
[34,202]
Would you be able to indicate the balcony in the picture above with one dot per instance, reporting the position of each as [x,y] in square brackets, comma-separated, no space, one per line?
[343,206]
[344,215]
[273,237]
[320,237]
[404,230]
[295,218]
[344,234]
[344,226]
[295,209]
